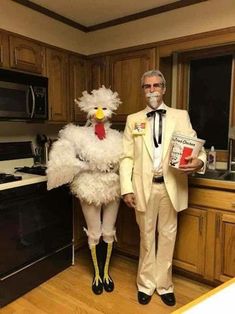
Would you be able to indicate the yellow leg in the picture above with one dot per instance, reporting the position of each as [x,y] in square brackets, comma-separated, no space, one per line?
[97,285]
[107,281]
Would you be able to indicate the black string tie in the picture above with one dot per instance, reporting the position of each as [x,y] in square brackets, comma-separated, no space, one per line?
[161,112]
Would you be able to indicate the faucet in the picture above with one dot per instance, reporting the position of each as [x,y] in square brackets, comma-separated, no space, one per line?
[231,161]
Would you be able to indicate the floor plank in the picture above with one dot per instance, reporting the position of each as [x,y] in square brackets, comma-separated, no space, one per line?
[69,292]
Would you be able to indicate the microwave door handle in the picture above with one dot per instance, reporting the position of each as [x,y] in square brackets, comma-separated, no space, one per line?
[33,98]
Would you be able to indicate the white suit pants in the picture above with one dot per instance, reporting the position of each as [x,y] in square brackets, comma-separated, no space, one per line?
[155,265]
[100,225]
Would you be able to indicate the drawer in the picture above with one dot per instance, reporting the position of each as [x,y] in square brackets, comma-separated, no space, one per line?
[212,198]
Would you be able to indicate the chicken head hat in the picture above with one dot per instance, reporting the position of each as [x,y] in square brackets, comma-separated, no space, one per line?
[99,106]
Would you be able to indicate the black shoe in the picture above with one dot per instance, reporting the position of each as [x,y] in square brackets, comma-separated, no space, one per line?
[168,298]
[108,285]
[143,298]
[97,288]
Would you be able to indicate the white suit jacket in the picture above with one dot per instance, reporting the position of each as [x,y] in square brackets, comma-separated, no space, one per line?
[136,165]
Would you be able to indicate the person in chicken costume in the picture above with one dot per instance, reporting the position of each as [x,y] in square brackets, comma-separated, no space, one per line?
[87,157]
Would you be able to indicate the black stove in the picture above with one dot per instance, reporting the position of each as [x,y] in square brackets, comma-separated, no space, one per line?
[40,170]
[6,177]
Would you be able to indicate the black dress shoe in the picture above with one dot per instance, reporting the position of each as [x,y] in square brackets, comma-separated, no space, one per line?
[143,298]
[168,298]
[108,284]
[97,287]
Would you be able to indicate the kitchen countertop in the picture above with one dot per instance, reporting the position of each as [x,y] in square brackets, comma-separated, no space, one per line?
[212,183]
[26,180]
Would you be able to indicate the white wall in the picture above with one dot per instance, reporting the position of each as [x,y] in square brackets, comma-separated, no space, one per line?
[19,19]
[198,18]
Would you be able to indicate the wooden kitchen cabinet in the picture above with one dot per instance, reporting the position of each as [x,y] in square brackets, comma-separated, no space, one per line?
[191,240]
[128,238]
[205,242]
[225,246]
[125,72]
[4,50]
[78,83]
[26,55]
[206,235]
[98,72]
[57,72]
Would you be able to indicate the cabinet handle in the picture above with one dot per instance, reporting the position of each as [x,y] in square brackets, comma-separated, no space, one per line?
[200,225]
[15,56]
[217,226]
[1,55]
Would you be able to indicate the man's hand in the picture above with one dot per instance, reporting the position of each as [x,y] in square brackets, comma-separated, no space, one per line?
[129,199]
[193,165]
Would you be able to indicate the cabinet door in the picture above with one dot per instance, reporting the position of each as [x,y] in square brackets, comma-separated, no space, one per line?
[57,72]
[79,236]
[225,244]
[126,70]
[190,242]
[78,83]
[127,231]
[98,68]
[26,55]
[4,50]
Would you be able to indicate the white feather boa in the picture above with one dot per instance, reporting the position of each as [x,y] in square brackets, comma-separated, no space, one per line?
[90,165]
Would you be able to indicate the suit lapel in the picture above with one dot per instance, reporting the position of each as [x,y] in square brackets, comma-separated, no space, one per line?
[169,129]
[148,138]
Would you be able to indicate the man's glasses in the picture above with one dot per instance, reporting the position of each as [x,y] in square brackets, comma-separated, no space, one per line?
[155,85]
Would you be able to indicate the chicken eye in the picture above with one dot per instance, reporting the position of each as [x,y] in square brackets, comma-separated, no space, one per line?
[104,108]
[95,108]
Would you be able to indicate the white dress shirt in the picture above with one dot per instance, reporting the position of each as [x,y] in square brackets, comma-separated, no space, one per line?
[157,151]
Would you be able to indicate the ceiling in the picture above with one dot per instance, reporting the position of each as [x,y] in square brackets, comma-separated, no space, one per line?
[89,15]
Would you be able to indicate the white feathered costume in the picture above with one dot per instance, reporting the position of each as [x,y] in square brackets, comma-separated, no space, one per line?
[88,163]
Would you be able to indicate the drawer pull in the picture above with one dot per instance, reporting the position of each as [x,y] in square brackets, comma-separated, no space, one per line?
[1,55]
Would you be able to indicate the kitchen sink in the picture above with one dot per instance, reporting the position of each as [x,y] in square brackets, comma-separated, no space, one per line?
[217,175]
[211,174]
[229,176]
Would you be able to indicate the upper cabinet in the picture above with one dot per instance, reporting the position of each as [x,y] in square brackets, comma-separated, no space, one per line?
[98,72]
[26,55]
[4,50]
[77,84]
[57,72]
[125,72]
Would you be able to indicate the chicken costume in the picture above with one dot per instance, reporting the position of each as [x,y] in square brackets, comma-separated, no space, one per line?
[87,158]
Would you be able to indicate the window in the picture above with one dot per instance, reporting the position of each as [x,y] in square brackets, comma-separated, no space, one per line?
[209,99]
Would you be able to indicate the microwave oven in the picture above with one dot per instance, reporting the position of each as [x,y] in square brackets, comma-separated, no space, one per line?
[23,96]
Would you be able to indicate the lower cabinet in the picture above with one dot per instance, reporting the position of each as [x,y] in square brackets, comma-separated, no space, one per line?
[206,235]
[191,240]
[225,246]
[205,241]
[128,238]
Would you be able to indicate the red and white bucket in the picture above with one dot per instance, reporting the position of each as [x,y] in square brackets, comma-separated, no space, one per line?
[183,146]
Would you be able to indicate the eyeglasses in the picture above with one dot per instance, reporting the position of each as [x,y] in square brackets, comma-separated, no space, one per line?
[155,85]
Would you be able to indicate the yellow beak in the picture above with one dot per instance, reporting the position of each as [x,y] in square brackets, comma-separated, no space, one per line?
[99,114]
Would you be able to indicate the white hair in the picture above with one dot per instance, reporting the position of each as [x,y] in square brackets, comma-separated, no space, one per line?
[102,97]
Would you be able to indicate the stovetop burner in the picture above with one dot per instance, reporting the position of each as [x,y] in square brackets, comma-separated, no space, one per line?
[6,177]
[40,170]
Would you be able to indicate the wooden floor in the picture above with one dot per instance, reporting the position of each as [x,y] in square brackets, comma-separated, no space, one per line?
[69,292]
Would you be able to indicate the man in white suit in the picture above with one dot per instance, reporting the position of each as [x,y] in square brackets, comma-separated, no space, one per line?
[154,189]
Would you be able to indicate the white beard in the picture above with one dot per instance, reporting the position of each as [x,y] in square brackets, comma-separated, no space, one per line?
[152,99]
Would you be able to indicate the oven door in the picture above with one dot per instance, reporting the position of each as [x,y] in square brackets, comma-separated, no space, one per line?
[34,223]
